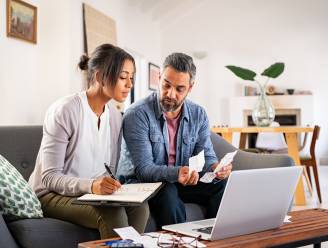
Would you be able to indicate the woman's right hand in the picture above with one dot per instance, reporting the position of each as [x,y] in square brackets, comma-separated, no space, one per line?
[105,186]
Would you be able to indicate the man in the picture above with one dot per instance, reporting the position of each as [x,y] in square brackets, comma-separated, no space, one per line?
[161,133]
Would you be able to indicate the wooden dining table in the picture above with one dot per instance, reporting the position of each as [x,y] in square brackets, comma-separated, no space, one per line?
[291,134]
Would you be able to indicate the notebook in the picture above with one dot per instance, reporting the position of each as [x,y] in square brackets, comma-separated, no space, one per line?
[133,194]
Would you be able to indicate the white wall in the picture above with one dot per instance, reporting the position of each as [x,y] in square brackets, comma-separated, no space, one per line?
[33,76]
[254,34]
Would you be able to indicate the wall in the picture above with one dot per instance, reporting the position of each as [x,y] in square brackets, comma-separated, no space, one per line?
[231,31]
[33,76]
[254,36]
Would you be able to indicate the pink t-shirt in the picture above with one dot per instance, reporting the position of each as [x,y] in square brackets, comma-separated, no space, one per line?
[172,128]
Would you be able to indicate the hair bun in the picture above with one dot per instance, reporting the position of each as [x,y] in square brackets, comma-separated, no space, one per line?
[83,64]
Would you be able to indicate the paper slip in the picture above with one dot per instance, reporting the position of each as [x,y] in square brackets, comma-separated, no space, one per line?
[196,163]
[128,233]
[208,177]
[287,219]
[227,159]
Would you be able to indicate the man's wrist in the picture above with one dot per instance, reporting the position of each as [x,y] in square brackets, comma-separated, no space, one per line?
[173,174]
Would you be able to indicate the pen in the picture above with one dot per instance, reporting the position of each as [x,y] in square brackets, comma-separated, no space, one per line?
[109,172]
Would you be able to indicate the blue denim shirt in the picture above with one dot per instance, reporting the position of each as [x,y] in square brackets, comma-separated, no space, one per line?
[146,143]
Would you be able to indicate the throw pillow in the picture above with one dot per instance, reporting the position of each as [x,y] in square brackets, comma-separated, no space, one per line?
[17,199]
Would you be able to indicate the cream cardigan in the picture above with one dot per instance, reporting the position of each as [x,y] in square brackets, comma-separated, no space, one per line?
[61,132]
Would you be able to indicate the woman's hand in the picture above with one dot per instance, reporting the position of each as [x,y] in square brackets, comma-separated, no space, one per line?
[105,186]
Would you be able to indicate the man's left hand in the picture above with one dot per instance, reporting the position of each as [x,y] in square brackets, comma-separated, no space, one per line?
[224,172]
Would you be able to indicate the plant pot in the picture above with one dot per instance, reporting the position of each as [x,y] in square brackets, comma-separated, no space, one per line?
[263,112]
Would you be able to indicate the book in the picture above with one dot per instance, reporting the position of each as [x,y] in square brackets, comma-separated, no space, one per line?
[133,194]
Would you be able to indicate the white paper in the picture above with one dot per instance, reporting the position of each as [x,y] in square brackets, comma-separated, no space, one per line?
[196,163]
[128,233]
[227,159]
[208,177]
[134,192]
[287,219]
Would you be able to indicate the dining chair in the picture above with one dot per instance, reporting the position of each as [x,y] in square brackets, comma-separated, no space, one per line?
[309,161]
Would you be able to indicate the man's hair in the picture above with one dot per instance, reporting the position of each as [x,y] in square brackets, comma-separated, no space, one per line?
[182,63]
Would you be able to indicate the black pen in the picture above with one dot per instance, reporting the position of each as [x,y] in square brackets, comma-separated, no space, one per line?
[109,172]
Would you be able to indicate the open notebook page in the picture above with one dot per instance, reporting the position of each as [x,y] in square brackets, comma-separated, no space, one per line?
[134,192]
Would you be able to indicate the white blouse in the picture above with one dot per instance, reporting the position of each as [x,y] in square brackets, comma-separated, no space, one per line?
[93,148]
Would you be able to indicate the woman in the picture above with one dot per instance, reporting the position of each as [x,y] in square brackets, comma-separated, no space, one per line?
[80,135]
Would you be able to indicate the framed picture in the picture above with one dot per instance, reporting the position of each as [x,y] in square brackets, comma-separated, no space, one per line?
[153,76]
[21,20]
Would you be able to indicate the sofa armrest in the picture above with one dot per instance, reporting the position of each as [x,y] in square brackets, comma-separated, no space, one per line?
[247,160]
[6,239]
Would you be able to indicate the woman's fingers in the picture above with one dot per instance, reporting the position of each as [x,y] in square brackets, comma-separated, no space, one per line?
[105,185]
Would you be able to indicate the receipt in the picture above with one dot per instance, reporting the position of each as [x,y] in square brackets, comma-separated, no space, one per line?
[128,233]
[227,159]
[208,177]
[196,163]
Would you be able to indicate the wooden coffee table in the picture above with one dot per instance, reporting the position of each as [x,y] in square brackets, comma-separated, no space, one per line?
[307,227]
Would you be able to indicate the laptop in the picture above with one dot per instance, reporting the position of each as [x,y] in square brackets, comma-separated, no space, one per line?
[253,200]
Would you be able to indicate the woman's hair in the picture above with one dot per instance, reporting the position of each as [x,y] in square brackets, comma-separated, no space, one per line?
[108,60]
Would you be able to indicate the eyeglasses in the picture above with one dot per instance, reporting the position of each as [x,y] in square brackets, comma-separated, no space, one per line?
[166,240]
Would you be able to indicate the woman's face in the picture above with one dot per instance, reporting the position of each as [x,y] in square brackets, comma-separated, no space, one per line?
[124,83]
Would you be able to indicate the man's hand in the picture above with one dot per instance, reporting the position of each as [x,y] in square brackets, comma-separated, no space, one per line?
[187,179]
[183,176]
[193,180]
[105,186]
[224,172]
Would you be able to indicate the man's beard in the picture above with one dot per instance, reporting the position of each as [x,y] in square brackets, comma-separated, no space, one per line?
[170,105]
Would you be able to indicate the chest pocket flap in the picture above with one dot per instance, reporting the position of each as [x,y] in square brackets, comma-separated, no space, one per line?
[189,140]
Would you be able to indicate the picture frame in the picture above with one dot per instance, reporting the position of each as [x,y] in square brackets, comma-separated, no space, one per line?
[153,76]
[22,20]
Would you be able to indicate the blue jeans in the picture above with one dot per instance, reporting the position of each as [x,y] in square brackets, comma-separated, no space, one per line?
[168,207]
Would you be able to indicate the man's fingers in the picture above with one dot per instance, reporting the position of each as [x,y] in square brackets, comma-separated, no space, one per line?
[193,178]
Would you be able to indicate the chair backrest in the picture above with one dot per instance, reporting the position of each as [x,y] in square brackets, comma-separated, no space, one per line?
[315,137]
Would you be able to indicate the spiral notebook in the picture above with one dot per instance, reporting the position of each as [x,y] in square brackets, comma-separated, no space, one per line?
[133,194]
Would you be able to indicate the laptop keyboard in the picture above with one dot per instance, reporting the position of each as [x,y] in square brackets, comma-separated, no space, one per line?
[207,230]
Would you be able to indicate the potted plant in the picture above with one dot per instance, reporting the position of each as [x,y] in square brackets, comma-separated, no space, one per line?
[263,112]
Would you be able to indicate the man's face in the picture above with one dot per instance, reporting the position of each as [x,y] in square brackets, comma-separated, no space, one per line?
[174,88]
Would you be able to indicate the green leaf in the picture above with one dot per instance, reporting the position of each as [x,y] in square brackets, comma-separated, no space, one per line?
[274,70]
[242,72]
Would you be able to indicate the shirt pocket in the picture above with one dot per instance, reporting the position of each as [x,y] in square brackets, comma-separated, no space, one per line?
[158,147]
[189,144]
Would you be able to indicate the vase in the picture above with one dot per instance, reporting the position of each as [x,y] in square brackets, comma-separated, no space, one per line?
[263,113]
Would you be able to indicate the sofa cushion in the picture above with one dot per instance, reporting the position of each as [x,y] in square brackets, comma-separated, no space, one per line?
[48,232]
[17,199]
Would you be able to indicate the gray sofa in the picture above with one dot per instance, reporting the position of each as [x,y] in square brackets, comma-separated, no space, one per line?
[20,144]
